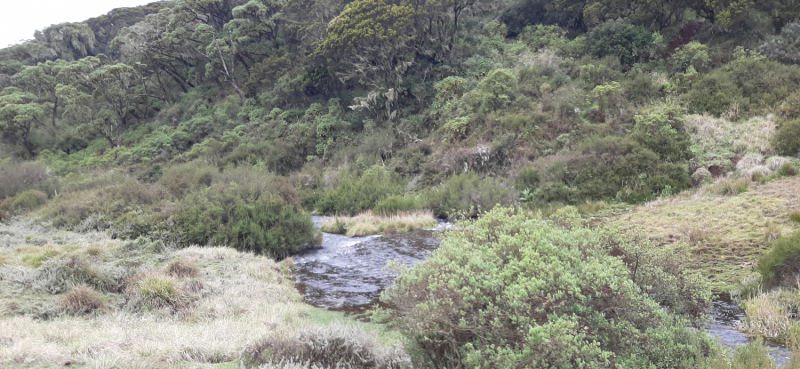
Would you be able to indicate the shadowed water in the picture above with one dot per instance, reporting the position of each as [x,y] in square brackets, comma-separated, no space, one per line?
[347,274]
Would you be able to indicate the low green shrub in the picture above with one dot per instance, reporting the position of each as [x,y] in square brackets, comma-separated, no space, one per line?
[513,288]
[787,170]
[16,177]
[395,203]
[527,179]
[781,264]
[787,138]
[467,194]
[354,194]
[29,200]
[610,168]
[227,215]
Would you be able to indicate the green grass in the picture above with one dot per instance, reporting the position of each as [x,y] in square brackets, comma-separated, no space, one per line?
[727,233]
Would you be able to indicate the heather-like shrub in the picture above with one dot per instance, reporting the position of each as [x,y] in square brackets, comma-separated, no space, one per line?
[514,288]
[229,215]
[467,194]
[18,177]
[354,193]
[527,179]
[631,44]
[781,264]
[787,139]
[28,200]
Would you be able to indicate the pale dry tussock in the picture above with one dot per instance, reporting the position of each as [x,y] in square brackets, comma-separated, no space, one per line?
[369,223]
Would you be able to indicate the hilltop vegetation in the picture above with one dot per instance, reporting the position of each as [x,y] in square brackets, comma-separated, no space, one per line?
[226,123]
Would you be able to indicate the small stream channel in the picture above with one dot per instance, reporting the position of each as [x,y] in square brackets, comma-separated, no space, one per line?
[347,274]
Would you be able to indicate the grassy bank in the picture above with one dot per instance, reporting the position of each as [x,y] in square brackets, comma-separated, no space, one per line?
[727,232]
[82,299]
[369,223]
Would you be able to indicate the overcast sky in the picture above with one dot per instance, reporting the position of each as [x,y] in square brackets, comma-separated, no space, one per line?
[19,19]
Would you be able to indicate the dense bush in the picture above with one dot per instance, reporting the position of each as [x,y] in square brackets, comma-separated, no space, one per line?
[18,177]
[259,222]
[663,132]
[467,194]
[781,264]
[356,193]
[512,288]
[787,138]
[631,44]
[612,168]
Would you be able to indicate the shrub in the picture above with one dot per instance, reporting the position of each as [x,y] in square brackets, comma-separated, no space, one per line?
[327,347]
[354,194]
[611,168]
[527,179]
[467,194]
[795,216]
[787,139]
[229,215]
[664,133]
[82,300]
[631,44]
[394,204]
[29,200]
[18,177]
[781,264]
[511,287]
[182,178]
[787,170]
[498,88]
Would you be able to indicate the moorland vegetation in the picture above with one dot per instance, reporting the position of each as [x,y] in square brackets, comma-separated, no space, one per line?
[611,164]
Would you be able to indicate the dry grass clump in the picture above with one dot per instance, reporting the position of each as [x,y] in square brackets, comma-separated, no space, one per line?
[82,300]
[183,268]
[369,223]
[730,186]
[336,346]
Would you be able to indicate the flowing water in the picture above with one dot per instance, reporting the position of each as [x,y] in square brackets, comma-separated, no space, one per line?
[347,274]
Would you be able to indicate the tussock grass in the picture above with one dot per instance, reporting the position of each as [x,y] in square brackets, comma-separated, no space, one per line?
[189,319]
[729,186]
[727,233]
[766,317]
[369,223]
[82,300]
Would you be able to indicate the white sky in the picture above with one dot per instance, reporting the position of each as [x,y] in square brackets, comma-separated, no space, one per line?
[19,19]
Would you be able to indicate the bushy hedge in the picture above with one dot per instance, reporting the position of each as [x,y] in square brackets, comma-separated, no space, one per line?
[781,264]
[226,215]
[512,288]
[787,139]
[467,194]
[356,193]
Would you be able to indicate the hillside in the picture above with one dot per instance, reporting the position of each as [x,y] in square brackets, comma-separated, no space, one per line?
[227,123]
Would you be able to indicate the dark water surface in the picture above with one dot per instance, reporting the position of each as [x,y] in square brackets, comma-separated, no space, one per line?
[347,274]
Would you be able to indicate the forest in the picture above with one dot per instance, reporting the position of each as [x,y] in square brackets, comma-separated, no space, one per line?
[609,167]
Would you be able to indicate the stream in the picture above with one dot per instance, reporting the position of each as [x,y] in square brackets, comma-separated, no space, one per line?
[347,274]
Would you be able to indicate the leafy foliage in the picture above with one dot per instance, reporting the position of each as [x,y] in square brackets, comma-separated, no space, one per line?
[511,288]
